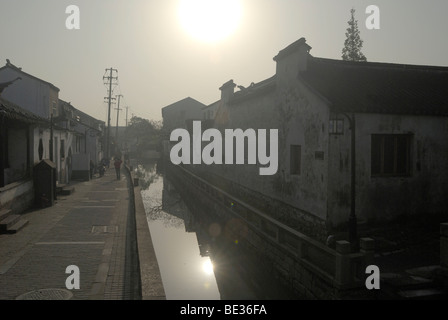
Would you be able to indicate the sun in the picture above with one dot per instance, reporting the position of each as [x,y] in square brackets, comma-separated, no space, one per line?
[210,20]
[207,267]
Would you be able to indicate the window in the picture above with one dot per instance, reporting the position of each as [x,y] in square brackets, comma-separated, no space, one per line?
[40,149]
[390,154]
[295,159]
[336,126]
[62,149]
[319,155]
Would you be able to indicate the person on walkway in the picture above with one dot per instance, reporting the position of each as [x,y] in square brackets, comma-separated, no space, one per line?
[92,169]
[117,165]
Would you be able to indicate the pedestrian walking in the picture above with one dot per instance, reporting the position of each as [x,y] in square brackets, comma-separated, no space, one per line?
[117,165]
[92,168]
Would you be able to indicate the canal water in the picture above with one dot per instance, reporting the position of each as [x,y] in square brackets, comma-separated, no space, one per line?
[194,264]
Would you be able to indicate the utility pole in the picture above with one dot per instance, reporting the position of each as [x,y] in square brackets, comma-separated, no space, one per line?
[109,80]
[127,108]
[118,114]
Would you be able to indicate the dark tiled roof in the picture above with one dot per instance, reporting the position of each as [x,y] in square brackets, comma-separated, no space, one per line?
[253,90]
[379,87]
[14,112]
[78,115]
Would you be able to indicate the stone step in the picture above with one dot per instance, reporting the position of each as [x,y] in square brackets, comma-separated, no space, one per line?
[405,282]
[17,226]
[423,294]
[4,213]
[6,223]
[425,271]
[66,191]
[418,286]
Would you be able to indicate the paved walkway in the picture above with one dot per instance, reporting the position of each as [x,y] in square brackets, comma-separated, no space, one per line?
[91,229]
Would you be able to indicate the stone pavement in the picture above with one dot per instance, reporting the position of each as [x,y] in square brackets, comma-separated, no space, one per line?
[93,229]
[407,252]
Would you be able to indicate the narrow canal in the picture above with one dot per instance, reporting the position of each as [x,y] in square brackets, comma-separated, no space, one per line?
[195,262]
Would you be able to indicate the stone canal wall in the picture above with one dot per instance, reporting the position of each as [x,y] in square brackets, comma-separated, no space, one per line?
[144,278]
[310,268]
[281,211]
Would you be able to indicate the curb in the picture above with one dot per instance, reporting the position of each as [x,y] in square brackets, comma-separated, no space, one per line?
[150,277]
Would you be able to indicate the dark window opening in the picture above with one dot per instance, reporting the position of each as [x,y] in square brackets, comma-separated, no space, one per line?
[319,155]
[390,155]
[295,159]
[41,149]
[62,149]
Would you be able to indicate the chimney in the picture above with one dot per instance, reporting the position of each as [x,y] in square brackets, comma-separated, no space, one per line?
[292,59]
[227,90]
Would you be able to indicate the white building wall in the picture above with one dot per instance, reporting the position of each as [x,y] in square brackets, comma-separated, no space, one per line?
[175,115]
[17,155]
[28,93]
[383,198]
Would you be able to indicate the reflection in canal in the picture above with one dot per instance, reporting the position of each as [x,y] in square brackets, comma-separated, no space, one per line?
[195,264]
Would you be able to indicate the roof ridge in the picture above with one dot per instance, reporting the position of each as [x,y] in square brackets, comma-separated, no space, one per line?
[13,67]
[184,99]
[382,64]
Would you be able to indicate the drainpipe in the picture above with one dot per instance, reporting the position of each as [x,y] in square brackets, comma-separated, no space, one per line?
[51,137]
[352,220]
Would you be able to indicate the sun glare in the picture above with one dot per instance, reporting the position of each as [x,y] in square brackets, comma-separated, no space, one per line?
[210,20]
[207,267]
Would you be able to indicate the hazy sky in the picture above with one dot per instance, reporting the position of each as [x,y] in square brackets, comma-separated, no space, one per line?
[160,63]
